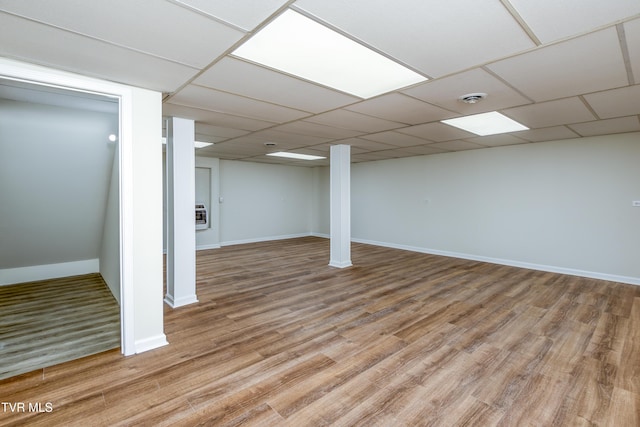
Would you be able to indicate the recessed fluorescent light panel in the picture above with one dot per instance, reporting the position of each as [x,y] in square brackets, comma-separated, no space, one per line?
[301,46]
[200,144]
[486,123]
[295,156]
[196,144]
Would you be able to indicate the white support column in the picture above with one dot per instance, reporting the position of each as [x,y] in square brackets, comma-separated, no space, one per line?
[340,202]
[181,231]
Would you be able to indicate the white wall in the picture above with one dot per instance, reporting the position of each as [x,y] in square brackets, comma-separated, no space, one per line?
[321,203]
[208,192]
[560,206]
[55,166]
[144,119]
[140,198]
[110,249]
[259,201]
[264,201]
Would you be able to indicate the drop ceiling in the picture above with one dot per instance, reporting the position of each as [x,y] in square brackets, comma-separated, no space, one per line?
[564,69]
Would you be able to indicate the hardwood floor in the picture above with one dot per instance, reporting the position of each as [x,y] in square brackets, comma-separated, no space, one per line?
[278,338]
[53,321]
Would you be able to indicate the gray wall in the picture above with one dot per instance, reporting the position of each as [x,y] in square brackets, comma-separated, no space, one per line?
[55,170]
[561,205]
[264,201]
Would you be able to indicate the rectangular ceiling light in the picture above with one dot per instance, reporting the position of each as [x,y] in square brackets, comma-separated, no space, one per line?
[486,123]
[201,144]
[295,156]
[196,144]
[305,48]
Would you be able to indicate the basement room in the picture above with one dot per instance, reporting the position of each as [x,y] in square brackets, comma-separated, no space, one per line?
[312,213]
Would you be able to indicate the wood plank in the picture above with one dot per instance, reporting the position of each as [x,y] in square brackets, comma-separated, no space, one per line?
[400,338]
[48,322]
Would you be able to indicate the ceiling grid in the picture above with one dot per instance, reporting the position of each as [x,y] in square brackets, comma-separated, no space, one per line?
[562,69]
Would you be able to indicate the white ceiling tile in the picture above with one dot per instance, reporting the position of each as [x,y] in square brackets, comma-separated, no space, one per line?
[215,118]
[437,132]
[610,126]
[457,145]
[497,140]
[208,138]
[586,64]
[304,127]
[551,113]
[354,121]
[615,103]
[396,138]
[632,36]
[160,28]
[246,14]
[240,77]
[210,99]
[219,131]
[316,150]
[371,156]
[552,19]
[446,92]
[289,138]
[394,154]
[424,149]
[400,108]
[436,39]
[327,147]
[45,45]
[236,148]
[364,144]
[546,134]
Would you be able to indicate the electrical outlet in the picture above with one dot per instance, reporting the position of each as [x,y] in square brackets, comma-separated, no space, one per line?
[636,203]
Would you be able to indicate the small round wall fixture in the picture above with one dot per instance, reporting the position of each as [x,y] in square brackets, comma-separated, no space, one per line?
[472,98]
[113,137]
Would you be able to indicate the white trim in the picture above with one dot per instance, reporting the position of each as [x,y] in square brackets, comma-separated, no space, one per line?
[323,235]
[512,263]
[127,295]
[9,276]
[264,239]
[185,300]
[54,78]
[151,343]
[205,247]
[337,264]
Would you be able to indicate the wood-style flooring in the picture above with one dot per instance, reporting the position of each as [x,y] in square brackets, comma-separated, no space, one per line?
[48,322]
[278,338]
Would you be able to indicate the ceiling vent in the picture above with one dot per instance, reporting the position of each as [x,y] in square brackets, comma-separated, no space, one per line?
[472,98]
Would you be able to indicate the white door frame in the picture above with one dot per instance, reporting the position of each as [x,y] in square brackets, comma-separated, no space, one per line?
[14,70]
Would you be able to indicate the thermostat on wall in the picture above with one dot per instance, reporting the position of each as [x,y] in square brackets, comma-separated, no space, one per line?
[202,216]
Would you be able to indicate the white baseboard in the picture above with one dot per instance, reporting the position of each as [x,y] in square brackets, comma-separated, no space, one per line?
[9,276]
[205,247]
[175,303]
[324,236]
[264,239]
[512,263]
[340,264]
[151,343]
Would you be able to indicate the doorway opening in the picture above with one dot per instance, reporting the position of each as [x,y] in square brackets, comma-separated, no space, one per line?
[60,222]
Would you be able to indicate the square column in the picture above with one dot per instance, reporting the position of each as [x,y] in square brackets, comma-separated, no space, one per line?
[340,206]
[181,229]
